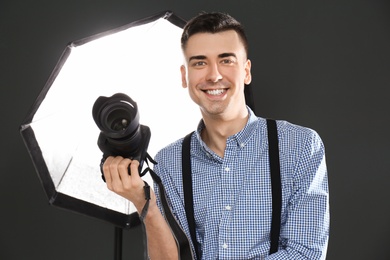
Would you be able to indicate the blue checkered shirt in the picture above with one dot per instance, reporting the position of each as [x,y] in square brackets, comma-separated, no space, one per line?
[232,195]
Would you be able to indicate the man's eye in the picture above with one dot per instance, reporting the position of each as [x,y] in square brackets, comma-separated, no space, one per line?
[227,61]
[199,63]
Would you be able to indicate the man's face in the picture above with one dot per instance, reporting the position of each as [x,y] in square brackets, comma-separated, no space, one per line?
[215,72]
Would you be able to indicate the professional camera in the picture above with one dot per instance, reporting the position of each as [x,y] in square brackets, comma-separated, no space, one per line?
[121,134]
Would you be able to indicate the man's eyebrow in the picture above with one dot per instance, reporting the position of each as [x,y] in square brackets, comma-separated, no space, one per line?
[227,54]
[197,57]
[222,55]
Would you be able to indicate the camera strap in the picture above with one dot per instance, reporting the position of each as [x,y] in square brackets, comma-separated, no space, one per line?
[182,242]
[273,151]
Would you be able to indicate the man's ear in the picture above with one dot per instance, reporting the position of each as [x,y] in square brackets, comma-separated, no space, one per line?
[248,74]
[183,76]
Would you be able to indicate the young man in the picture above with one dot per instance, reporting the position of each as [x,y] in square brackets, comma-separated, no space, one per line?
[230,168]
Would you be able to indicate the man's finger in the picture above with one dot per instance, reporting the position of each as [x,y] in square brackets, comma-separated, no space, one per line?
[106,170]
[134,169]
[123,169]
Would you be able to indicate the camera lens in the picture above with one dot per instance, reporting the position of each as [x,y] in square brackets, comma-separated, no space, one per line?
[116,116]
[119,124]
[118,119]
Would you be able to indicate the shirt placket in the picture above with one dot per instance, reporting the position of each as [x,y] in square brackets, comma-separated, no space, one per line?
[228,194]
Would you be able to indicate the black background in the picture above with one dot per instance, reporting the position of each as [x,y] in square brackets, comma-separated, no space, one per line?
[321,64]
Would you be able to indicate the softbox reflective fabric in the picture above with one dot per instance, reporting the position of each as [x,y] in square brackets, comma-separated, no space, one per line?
[142,60]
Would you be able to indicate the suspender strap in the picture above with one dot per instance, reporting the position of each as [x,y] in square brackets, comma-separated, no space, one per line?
[187,187]
[276,184]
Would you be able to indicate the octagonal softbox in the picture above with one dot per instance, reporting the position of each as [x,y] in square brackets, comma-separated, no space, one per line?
[142,60]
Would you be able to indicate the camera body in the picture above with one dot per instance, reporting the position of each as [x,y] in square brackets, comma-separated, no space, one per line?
[120,132]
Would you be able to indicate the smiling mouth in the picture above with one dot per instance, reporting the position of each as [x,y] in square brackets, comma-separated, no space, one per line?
[215,92]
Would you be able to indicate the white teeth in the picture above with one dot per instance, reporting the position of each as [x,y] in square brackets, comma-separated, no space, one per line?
[215,92]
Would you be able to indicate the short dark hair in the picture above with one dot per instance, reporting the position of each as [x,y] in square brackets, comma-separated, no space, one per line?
[213,23]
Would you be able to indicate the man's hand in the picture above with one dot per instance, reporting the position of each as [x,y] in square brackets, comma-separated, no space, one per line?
[118,180]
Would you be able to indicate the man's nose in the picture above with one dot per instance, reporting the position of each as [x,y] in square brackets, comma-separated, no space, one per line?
[213,73]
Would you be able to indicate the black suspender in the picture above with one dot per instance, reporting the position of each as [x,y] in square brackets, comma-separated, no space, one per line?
[273,154]
[187,189]
[275,182]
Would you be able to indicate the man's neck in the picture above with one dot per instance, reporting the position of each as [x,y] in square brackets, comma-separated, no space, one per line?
[217,131]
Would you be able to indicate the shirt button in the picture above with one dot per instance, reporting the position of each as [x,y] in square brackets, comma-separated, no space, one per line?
[228,207]
[224,246]
[227,169]
[242,145]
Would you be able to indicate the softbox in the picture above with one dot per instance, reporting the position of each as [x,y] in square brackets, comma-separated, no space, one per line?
[141,59]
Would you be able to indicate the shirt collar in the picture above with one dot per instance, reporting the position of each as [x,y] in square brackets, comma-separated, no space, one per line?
[241,138]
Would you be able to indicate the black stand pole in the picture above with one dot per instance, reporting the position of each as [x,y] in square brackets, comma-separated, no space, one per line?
[118,244]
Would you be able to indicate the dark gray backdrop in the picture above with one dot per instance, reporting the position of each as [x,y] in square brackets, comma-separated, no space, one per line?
[321,64]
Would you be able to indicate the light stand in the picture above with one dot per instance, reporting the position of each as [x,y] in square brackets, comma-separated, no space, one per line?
[118,235]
